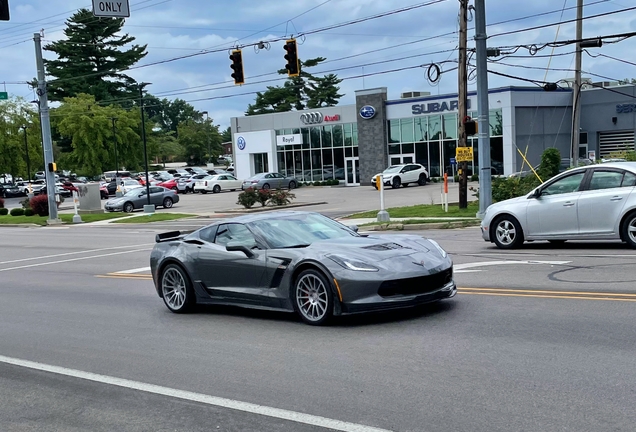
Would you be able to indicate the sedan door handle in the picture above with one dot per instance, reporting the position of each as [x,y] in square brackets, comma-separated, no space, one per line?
[616,198]
[568,204]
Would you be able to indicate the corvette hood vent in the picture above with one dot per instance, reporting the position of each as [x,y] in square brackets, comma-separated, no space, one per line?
[385,247]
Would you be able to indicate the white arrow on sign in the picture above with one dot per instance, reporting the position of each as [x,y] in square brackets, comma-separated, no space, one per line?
[466,268]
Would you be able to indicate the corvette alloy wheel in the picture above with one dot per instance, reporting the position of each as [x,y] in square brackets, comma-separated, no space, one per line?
[313,297]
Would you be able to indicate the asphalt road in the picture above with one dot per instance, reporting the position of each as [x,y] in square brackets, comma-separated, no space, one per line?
[541,340]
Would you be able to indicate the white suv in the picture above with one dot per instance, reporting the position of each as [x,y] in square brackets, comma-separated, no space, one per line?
[397,175]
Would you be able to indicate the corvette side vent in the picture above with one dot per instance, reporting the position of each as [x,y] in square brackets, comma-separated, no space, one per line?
[384,247]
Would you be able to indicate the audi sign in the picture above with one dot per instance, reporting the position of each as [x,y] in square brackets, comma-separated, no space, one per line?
[311,118]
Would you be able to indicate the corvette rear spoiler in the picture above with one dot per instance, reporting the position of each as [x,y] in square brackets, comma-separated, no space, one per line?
[172,235]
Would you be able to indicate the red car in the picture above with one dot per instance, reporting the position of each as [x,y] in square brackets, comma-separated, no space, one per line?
[170,184]
[103,192]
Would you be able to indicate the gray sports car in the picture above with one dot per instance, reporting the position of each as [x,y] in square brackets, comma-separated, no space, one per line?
[298,261]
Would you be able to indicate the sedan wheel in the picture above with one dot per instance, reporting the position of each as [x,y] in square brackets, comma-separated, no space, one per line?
[629,230]
[176,289]
[313,298]
[129,207]
[292,185]
[216,189]
[167,203]
[266,186]
[396,183]
[508,233]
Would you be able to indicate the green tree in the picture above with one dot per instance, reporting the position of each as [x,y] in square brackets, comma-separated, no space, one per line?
[200,140]
[15,116]
[166,147]
[298,93]
[226,135]
[91,58]
[89,127]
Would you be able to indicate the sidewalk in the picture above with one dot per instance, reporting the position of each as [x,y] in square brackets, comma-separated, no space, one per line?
[363,221]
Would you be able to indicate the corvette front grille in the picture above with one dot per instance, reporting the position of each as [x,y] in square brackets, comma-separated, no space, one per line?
[417,285]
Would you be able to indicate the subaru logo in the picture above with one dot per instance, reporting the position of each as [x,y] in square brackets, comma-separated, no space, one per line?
[367,112]
[311,118]
[240,142]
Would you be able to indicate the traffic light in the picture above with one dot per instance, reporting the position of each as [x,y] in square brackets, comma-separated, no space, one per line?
[237,66]
[470,126]
[4,10]
[293,64]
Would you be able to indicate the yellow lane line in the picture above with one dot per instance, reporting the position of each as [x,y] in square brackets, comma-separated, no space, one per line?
[587,293]
[548,296]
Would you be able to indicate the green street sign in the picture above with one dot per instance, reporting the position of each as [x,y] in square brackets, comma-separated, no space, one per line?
[4,95]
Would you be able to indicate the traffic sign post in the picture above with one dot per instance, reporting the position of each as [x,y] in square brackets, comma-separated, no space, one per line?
[111,8]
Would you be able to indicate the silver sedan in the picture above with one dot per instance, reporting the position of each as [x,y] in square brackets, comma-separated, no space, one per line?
[270,181]
[137,198]
[595,202]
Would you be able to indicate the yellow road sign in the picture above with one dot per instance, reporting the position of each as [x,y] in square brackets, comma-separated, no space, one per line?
[464,154]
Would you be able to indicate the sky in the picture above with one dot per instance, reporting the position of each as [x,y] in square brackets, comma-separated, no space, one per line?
[362,53]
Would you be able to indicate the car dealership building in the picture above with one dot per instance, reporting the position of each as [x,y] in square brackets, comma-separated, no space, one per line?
[352,143]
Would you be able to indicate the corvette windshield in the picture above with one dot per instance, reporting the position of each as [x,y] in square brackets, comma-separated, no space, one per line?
[300,230]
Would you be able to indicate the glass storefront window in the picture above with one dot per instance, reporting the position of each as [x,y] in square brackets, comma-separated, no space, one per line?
[449,152]
[261,163]
[326,136]
[339,163]
[434,127]
[421,154]
[434,156]
[315,137]
[289,163]
[338,136]
[450,126]
[348,151]
[408,148]
[305,134]
[406,128]
[496,122]
[496,155]
[327,164]
[281,163]
[420,129]
[394,131]
[355,134]
[348,135]
[394,149]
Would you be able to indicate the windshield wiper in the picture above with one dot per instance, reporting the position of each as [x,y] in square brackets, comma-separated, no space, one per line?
[298,246]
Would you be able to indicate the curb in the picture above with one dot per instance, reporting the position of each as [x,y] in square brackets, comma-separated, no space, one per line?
[416,227]
[21,226]
[263,209]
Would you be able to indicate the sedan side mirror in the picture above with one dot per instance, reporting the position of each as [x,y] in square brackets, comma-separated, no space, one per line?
[536,193]
[238,247]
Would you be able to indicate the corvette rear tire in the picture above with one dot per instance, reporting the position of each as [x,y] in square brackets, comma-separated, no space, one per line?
[176,289]
[313,298]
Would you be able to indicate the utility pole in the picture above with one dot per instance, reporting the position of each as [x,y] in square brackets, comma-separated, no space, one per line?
[26,150]
[576,94]
[485,179]
[463,100]
[148,208]
[47,143]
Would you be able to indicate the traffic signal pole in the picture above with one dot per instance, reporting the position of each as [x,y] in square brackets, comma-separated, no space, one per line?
[463,99]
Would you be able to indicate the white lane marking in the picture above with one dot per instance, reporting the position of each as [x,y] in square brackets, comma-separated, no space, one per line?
[71,260]
[294,416]
[468,271]
[498,263]
[137,270]
[74,253]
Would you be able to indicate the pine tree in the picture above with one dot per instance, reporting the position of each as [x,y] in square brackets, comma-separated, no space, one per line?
[91,59]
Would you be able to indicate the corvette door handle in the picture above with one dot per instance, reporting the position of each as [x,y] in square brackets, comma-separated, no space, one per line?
[616,198]
[568,204]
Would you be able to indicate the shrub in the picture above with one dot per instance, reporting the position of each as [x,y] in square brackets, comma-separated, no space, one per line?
[4,211]
[263,195]
[28,212]
[550,163]
[1,203]
[281,197]
[248,197]
[512,187]
[40,205]
[17,211]
[317,183]
[474,178]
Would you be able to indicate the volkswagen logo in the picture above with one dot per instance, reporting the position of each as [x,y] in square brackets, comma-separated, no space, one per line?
[367,112]
[240,142]
[311,118]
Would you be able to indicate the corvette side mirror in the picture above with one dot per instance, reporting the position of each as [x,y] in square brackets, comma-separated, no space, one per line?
[354,228]
[238,247]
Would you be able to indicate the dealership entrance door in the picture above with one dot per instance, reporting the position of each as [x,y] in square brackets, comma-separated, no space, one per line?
[402,159]
[352,171]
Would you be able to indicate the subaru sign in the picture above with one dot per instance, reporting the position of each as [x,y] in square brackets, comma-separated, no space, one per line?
[367,112]
[625,108]
[240,143]
[436,107]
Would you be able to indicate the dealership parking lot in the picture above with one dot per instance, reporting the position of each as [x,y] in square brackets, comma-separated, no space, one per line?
[530,331]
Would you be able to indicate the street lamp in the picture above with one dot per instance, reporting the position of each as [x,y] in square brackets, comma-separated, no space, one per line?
[26,149]
[149,208]
[207,119]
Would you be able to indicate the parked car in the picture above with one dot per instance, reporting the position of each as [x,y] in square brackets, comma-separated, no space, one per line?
[187,184]
[270,181]
[10,190]
[103,192]
[300,262]
[137,198]
[594,202]
[170,184]
[196,170]
[217,183]
[403,175]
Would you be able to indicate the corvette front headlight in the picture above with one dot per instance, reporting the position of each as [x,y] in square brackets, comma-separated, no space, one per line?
[352,264]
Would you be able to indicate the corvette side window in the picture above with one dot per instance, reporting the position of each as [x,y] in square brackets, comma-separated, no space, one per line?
[234,233]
